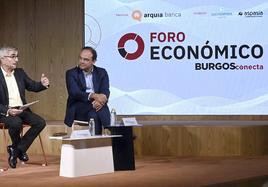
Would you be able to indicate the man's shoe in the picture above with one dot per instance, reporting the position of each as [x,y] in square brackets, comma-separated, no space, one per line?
[12,159]
[23,156]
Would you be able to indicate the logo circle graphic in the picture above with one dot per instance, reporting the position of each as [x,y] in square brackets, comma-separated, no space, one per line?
[121,46]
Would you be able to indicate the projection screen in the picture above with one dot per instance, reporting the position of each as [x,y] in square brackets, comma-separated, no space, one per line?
[169,57]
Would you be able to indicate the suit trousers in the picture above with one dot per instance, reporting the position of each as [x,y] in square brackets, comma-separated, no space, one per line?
[87,113]
[15,125]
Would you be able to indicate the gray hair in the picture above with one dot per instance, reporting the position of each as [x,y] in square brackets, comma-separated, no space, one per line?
[4,50]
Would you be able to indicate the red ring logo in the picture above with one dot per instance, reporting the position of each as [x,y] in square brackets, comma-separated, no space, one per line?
[122,42]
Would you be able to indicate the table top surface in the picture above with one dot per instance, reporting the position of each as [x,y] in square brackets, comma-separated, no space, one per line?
[68,138]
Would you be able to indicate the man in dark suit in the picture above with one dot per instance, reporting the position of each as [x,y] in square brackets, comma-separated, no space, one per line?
[13,83]
[88,92]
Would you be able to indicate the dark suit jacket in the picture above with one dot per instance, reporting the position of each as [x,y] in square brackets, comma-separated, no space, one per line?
[24,83]
[77,96]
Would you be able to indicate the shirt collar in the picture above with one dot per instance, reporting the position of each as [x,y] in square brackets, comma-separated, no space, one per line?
[6,74]
[89,72]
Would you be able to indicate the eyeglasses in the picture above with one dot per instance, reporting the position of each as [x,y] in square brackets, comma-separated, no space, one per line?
[13,57]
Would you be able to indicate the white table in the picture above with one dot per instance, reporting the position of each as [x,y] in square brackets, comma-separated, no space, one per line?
[86,156]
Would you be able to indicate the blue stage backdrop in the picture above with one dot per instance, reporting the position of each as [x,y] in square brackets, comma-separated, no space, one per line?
[194,57]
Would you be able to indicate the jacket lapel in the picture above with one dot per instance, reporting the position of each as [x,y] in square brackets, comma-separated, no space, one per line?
[18,80]
[81,78]
[3,83]
[95,79]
